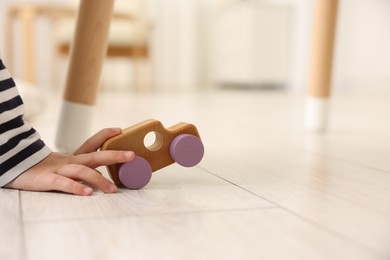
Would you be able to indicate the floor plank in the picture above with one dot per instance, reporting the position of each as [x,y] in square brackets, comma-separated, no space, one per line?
[244,234]
[338,196]
[266,188]
[172,190]
[12,245]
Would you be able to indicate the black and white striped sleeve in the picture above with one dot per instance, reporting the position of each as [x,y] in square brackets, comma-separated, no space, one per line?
[20,145]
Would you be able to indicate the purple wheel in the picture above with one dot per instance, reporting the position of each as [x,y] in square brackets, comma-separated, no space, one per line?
[187,150]
[135,174]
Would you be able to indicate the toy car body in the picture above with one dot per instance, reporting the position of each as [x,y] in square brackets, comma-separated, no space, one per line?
[180,143]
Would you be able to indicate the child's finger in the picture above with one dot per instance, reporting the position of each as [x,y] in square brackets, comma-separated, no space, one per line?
[49,181]
[96,141]
[61,183]
[103,158]
[88,175]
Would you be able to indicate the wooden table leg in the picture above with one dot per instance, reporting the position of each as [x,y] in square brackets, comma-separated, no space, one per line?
[29,64]
[84,73]
[325,17]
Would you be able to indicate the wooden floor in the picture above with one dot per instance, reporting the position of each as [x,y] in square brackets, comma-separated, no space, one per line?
[266,189]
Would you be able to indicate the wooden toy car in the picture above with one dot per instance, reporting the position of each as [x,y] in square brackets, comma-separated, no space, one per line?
[180,143]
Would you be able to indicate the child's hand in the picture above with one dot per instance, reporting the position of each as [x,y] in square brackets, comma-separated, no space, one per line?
[62,172]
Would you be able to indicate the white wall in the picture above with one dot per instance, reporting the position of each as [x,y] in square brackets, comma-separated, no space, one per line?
[175,44]
[363,44]
[251,44]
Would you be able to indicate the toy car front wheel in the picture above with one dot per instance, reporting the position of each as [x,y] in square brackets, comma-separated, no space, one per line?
[135,174]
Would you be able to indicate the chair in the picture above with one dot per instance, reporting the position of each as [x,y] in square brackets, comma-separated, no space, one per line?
[28,14]
[128,35]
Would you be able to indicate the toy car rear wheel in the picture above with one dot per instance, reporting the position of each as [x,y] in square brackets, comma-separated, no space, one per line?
[135,174]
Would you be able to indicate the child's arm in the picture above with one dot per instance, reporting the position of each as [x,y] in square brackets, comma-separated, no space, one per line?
[60,171]
[20,145]
[27,163]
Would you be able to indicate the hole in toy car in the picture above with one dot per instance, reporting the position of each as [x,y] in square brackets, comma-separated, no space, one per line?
[153,141]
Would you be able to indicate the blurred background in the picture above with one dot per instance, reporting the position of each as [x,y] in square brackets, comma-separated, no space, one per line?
[190,45]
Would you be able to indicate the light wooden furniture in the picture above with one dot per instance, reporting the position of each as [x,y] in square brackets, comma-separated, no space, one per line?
[85,67]
[89,51]
[127,37]
[28,15]
[324,31]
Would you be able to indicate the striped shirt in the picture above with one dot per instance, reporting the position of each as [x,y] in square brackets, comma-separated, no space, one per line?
[20,145]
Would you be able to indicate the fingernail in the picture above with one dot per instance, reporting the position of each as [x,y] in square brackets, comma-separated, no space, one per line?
[87,191]
[116,129]
[113,188]
[129,155]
